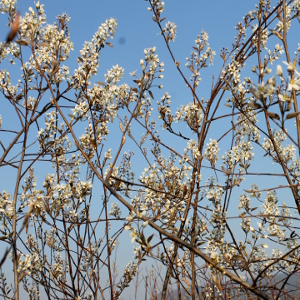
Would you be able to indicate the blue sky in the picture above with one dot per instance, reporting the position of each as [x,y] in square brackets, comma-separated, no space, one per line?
[136,31]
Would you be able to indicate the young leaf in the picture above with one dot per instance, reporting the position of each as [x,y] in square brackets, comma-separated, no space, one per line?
[255,105]
[150,93]
[22,42]
[292,115]
[134,89]
[150,238]
[109,44]
[273,115]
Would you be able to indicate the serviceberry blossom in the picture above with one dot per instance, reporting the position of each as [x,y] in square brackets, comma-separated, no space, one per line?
[170,31]
[212,152]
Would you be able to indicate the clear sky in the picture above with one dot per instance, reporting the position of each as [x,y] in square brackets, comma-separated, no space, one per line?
[137,31]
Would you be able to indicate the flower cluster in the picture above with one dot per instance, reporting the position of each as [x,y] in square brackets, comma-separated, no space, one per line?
[170,31]
[201,57]
[212,152]
[115,210]
[191,114]
[6,205]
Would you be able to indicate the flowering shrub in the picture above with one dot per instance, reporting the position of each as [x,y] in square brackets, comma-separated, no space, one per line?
[219,210]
